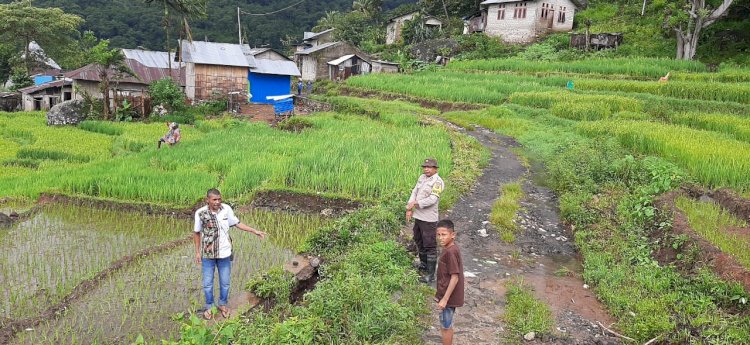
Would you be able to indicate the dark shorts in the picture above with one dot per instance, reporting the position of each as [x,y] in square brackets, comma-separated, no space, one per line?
[446,317]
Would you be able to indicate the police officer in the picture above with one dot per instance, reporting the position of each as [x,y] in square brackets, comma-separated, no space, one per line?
[423,207]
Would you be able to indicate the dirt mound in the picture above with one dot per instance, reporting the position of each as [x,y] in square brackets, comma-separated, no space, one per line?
[699,249]
[302,203]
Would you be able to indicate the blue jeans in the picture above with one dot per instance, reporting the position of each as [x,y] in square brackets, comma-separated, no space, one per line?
[446,317]
[225,268]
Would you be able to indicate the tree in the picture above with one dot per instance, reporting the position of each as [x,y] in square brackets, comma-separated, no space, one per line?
[184,9]
[110,65]
[50,27]
[369,7]
[688,17]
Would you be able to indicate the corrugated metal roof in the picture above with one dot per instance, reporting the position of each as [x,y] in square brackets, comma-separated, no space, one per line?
[341,59]
[383,62]
[264,66]
[491,2]
[317,48]
[312,35]
[210,53]
[146,75]
[56,83]
[150,58]
[256,51]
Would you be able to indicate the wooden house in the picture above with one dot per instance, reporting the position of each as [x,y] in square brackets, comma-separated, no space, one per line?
[516,21]
[213,70]
[396,24]
[314,64]
[347,66]
[380,66]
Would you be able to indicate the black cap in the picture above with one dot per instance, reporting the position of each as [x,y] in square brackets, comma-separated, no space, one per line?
[430,162]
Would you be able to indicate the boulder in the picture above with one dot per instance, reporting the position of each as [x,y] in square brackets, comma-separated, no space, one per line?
[66,113]
[5,221]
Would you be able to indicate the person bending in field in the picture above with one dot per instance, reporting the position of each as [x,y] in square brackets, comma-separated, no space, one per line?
[449,293]
[213,248]
[172,137]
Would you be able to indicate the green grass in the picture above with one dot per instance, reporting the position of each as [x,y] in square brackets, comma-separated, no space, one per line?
[711,222]
[505,209]
[524,313]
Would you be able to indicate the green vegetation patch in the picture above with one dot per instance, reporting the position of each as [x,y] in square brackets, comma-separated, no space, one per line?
[523,312]
[505,209]
[713,223]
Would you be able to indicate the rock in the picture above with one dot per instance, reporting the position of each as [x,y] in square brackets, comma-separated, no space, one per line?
[327,212]
[586,286]
[468,274]
[5,221]
[315,262]
[482,232]
[529,336]
[66,113]
[706,199]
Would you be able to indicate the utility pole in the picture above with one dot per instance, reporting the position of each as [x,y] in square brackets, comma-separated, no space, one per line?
[239,26]
[643,9]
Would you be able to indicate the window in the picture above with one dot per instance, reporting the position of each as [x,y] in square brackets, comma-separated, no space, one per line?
[501,12]
[520,11]
[561,15]
[545,11]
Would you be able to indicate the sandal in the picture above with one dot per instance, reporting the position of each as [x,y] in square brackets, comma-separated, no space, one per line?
[224,311]
[208,315]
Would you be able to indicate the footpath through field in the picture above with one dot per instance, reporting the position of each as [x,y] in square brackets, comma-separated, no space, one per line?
[543,257]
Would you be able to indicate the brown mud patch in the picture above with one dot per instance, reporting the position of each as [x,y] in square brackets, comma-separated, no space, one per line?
[726,198]
[423,102]
[8,331]
[703,252]
[302,203]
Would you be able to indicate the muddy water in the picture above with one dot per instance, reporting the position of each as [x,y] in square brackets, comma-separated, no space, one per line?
[47,255]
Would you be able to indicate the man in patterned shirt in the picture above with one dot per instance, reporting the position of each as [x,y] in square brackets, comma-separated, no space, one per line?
[213,247]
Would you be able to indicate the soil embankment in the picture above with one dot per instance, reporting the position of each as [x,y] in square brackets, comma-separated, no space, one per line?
[543,256]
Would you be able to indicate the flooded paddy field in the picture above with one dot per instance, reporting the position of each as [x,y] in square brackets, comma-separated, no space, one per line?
[151,278]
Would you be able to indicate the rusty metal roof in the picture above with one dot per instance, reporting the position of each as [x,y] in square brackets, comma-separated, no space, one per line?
[145,75]
[56,83]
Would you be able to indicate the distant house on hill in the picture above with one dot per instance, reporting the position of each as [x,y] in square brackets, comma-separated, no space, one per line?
[312,39]
[148,66]
[396,24]
[216,70]
[314,62]
[516,21]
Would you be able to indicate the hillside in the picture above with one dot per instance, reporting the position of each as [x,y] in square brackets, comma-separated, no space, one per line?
[129,24]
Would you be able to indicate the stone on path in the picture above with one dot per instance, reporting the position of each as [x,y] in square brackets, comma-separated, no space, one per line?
[529,336]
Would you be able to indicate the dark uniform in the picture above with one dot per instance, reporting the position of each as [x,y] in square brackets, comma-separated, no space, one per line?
[426,194]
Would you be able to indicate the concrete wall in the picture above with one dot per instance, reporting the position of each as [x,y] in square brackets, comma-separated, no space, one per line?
[526,30]
[393,30]
[308,67]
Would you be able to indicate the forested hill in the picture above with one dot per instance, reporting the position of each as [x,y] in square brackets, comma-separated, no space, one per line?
[129,24]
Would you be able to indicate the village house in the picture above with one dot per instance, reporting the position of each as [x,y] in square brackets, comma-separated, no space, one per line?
[320,58]
[225,70]
[396,24]
[517,21]
[380,66]
[148,67]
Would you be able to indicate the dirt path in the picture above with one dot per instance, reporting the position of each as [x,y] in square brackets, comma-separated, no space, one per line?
[542,250]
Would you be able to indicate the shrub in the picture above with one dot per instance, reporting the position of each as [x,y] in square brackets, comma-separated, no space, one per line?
[167,93]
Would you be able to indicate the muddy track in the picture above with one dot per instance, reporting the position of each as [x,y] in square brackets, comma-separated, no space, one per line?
[10,328]
[542,251]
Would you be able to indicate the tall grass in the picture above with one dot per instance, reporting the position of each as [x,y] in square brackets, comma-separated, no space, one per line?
[711,222]
[735,126]
[505,209]
[643,67]
[679,89]
[712,158]
[524,313]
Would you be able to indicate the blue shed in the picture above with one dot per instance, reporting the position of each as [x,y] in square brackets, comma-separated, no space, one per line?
[270,73]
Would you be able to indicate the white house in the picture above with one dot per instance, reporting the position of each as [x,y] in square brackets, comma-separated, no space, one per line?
[396,24]
[516,21]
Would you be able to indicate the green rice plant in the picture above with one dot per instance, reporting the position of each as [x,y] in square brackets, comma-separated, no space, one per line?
[505,209]
[710,157]
[735,126]
[8,149]
[523,312]
[631,115]
[103,127]
[593,108]
[688,90]
[713,223]
[725,75]
[642,67]
[501,119]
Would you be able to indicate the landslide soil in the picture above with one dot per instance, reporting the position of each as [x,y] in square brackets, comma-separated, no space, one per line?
[543,255]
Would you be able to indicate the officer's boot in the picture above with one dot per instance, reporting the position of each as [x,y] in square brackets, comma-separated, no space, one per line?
[431,262]
[422,263]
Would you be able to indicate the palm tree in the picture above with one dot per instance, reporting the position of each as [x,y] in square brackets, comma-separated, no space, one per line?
[368,7]
[183,8]
[110,63]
